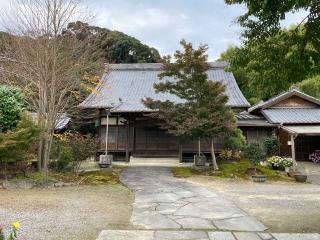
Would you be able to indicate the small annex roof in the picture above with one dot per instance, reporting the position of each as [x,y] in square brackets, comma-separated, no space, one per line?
[245,119]
[294,91]
[124,86]
[60,124]
[313,130]
[292,115]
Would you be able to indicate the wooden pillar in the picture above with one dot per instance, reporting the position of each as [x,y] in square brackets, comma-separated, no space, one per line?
[180,152]
[293,149]
[127,141]
[134,138]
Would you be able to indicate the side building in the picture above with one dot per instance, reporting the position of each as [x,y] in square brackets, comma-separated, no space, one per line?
[293,115]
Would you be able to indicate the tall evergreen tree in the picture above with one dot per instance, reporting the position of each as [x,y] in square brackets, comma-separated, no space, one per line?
[263,19]
[202,112]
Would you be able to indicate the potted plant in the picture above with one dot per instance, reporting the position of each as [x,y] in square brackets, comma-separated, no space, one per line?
[254,153]
[287,163]
[275,162]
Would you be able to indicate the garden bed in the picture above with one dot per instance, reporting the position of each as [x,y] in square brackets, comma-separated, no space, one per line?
[241,169]
[56,179]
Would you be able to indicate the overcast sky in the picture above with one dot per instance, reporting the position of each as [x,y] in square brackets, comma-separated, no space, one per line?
[163,23]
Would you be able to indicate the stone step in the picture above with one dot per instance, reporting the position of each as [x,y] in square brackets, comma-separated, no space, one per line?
[201,235]
[135,161]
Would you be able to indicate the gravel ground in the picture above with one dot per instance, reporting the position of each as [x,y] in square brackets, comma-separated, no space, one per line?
[282,207]
[68,213]
[312,170]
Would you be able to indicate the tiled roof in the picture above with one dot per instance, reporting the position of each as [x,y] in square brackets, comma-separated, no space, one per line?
[307,130]
[248,116]
[292,92]
[125,85]
[246,119]
[292,115]
[61,123]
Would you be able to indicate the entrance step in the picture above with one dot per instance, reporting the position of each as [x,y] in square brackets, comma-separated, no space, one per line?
[164,162]
[201,235]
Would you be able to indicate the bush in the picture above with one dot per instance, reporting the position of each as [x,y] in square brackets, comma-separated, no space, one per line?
[70,149]
[16,145]
[254,153]
[11,106]
[230,155]
[271,146]
[236,141]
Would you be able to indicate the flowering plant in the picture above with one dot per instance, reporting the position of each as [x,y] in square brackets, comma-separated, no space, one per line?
[13,234]
[287,162]
[280,162]
[315,157]
[275,161]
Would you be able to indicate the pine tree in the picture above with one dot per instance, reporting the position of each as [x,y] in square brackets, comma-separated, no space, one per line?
[202,112]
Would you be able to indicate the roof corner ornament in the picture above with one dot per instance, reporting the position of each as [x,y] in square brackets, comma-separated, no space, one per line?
[294,88]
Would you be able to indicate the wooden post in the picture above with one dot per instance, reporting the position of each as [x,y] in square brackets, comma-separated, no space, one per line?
[180,152]
[293,150]
[107,131]
[133,138]
[127,141]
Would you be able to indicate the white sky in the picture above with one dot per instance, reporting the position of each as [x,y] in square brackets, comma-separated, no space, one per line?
[162,24]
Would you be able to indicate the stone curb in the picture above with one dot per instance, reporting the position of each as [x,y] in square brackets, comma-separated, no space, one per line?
[201,235]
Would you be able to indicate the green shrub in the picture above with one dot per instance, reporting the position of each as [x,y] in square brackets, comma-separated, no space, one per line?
[254,153]
[16,145]
[236,141]
[70,149]
[61,155]
[11,107]
[271,146]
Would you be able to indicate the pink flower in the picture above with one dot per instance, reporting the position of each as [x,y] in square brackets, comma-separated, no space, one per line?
[1,226]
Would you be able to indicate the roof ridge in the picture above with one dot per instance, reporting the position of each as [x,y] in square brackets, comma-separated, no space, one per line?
[154,66]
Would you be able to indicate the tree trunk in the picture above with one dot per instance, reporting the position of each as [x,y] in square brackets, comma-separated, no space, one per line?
[214,160]
[40,151]
[44,145]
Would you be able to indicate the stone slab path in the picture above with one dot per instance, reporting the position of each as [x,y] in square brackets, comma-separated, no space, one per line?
[163,202]
[200,235]
[168,208]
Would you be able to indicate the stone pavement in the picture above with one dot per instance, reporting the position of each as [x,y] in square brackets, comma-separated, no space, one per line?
[168,208]
[165,202]
[200,235]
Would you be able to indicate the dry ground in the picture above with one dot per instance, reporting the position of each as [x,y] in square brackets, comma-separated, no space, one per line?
[69,213]
[283,207]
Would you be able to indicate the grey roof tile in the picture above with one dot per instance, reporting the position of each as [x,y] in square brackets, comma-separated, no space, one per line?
[248,116]
[292,115]
[246,119]
[125,85]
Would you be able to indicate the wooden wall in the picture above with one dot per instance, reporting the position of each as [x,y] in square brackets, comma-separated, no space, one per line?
[295,101]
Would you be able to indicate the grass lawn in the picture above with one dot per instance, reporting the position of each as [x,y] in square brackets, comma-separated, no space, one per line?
[242,170]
